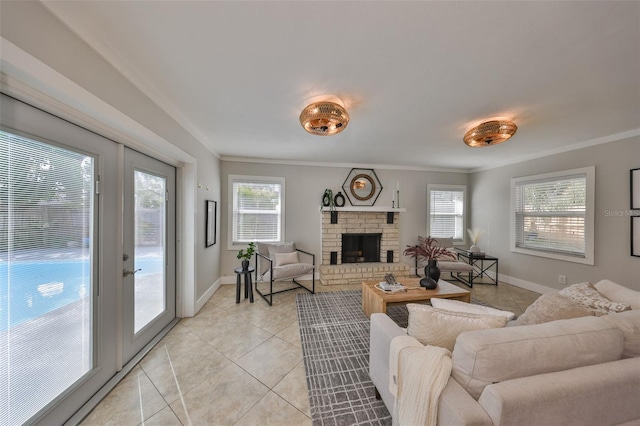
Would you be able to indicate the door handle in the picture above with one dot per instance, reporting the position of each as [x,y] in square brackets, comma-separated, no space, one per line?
[126,272]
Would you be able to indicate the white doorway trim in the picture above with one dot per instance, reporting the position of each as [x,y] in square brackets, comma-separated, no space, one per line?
[28,79]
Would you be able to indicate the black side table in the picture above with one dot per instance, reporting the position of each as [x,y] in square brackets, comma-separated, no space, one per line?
[479,268]
[248,285]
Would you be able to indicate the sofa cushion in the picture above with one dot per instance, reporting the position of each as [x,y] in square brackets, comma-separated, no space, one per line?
[617,293]
[484,357]
[458,306]
[594,395]
[629,323]
[586,295]
[438,327]
[552,307]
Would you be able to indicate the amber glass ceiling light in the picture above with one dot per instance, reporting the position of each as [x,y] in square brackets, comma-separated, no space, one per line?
[490,133]
[324,118]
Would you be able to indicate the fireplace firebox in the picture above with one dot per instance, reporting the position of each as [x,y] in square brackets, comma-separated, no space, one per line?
[361,248]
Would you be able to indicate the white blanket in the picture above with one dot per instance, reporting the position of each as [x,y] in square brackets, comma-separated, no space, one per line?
[398,343]
[422,373]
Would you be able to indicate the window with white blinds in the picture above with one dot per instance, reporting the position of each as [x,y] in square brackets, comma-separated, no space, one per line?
[46,273]
[446,211]
[553,215]
[257,205]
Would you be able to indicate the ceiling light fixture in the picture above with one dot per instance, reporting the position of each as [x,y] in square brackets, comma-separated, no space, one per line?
[324,118]
[490,133]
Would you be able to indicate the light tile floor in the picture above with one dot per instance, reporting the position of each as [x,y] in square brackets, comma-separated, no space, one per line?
[236,364]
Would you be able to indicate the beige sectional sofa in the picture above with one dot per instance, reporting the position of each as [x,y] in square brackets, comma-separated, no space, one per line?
[579,371]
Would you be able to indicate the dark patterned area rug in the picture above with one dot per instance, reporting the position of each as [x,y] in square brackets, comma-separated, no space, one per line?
[335,348]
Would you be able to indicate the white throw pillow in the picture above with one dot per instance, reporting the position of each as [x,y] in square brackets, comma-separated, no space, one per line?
[437,327]
[458,306]
[444,242]
[281,259]
[618,293]
[586,295]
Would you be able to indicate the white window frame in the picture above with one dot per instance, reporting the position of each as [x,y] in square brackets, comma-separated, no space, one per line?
[589,224]
[232,245]
[457,188]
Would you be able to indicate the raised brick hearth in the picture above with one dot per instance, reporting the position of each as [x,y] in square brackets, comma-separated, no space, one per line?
[360,222]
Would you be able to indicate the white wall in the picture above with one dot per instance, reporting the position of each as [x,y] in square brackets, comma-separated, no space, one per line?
[490,201]
[305,186]
[34,30]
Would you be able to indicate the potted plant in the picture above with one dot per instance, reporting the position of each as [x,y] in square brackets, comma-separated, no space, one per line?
[245,256]
[428,249]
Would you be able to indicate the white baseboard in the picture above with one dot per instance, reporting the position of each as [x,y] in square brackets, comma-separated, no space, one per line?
[207,295]
[527,285]
[228,279]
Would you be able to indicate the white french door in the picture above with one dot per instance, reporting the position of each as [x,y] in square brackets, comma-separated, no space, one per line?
[67,221]
[58,270]
[149,250]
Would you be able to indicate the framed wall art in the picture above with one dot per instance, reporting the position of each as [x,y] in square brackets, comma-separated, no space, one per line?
[635,236]
[210,226]
[635,189]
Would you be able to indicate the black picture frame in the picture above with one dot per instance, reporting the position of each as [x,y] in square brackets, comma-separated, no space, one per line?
[635,236]
[211,207]
[635,188]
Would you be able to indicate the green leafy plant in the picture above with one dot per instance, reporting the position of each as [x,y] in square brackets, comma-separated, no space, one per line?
[329,194]
[247,255]
[428,248]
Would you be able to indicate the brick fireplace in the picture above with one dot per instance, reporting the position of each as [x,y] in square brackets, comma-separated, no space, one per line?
[377,227]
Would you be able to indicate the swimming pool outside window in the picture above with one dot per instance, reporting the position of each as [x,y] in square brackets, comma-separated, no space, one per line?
[46,273]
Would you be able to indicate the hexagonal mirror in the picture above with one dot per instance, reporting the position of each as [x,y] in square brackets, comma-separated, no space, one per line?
[362,187]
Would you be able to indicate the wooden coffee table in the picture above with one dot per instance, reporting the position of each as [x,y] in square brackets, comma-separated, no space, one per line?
[374,300]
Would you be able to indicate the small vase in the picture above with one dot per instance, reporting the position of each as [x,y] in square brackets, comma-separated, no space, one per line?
[474,249]
[432,271]
[428,283]
[245,265]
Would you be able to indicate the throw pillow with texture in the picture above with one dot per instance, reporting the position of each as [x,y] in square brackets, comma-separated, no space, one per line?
[585,294]
[437,327]
[458,306]
[281,259]
[551,307]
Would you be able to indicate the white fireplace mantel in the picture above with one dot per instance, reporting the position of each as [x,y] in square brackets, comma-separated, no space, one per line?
[373,209]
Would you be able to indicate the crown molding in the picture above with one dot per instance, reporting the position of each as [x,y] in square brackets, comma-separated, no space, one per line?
[580,145]
[142,84]
[26,78]
[340,165]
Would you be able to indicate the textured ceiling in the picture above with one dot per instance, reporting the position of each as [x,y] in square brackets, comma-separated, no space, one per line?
[413,75]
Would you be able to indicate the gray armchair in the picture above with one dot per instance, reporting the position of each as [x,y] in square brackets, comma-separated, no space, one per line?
[282,262]
[453,266]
